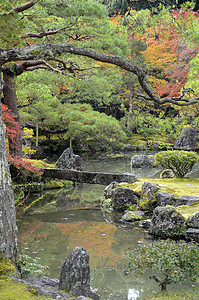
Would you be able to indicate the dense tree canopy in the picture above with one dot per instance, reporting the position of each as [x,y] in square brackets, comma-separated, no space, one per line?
[71,37]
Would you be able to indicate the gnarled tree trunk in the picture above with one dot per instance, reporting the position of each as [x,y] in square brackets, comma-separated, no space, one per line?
[8,228]
[10,99]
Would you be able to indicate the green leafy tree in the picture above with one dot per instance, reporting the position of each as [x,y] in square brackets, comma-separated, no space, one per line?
[176,261]
[180,162]
[41,54]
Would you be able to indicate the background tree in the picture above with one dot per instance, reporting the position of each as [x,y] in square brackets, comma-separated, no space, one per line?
[42,52]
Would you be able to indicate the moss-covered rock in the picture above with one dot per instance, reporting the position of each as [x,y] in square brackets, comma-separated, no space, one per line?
[167,222]
[132,216]
[148,200]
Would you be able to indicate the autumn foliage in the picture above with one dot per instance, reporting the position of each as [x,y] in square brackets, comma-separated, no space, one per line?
[13,129]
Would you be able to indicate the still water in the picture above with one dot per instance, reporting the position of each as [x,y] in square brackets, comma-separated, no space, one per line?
[62,220]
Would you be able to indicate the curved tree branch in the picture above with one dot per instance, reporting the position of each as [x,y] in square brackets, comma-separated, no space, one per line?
[46,51]
[22,7]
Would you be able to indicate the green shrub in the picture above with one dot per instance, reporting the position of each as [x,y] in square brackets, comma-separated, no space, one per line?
[180,162]
[177,261]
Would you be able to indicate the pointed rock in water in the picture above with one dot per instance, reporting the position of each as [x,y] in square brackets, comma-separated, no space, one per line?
[75,274]
[68,160]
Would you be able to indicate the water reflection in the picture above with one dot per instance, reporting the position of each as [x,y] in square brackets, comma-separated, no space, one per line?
[60,221]
[133,294]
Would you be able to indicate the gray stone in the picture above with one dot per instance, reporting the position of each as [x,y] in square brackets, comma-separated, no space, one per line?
[142,161]
[109,189]
[192,234]
[193,221]
[75,274]
[44,285]
[88,177]
[122,197]
[187,139]
[167,173]
[187,200]
[68,160]
[148,200]
[128,147]
[167,223]
[165,199]
[132,216]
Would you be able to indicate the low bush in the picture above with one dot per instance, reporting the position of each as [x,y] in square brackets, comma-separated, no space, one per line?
[175,261]
[180,162]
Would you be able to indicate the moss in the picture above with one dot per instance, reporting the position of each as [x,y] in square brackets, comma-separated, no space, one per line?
[132,216]
[6,266]
[17,291]
[176,186]
[41,164]
[35,52]
[136,140]
[186,211]
[191,293]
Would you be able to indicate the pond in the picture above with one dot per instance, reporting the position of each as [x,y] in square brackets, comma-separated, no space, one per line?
[62,220]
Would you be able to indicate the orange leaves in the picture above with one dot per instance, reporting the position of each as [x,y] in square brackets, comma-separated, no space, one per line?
[115,19]
[96,237]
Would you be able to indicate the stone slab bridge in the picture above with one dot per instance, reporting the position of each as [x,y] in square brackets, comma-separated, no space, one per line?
[88,177]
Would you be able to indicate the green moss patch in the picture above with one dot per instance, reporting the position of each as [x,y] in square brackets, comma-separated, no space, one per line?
[186,211]
[41,164]
[191,293]
[6,266]
[17,291]
[176,186]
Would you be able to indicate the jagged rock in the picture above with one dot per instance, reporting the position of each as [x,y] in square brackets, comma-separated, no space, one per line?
[187,139]
[148,200]
[68,160]
[128,147]
[122,197]
[132,216]
[165,199]
[167,223]
[193,221]
[109,189]
[75,274]
[142,161]
[187,200]
[192,234]
[167,173]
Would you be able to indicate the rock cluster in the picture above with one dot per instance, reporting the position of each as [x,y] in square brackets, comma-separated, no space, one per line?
[166,222]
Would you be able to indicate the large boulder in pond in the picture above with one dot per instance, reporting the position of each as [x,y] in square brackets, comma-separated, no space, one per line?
[187,139]
[68,160]
[123,197]
[142,161]
[167,223]
[75,274]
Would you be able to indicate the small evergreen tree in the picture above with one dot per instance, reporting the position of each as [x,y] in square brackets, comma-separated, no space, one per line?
[180,162]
